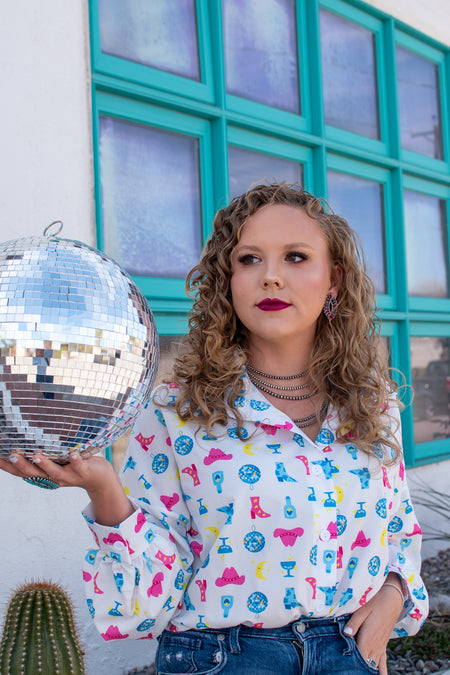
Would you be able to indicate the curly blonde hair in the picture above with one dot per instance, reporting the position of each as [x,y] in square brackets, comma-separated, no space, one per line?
[346,365]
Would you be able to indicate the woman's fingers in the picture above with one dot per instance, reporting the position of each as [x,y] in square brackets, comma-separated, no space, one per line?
[11,465]
[51,470]
[356,620]
[383,665]
[19,466]
[78,472]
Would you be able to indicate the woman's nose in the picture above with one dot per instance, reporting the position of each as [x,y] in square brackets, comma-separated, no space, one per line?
[272,280]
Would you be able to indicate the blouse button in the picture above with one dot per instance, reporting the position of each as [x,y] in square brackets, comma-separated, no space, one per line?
[320,607]
[315,470]
[324,535]
[119,546]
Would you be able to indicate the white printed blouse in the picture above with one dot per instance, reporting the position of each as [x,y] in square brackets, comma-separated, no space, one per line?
[261,531]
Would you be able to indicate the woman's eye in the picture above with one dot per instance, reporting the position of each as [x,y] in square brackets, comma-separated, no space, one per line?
[248,259]
[295,257]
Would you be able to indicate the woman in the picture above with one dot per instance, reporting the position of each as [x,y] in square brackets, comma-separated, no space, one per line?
[265,525]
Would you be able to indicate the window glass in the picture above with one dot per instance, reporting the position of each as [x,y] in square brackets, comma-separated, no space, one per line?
[426,245]
[160,33]
[431,382]
[348,75]
[247,168]
[418,98]
[360,202]
[150,198]
[261,51]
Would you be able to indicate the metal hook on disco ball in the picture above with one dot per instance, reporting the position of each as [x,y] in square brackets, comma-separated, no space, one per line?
[54,234]
[78,348]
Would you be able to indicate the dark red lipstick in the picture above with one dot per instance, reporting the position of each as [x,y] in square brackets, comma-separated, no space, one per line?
[272,305]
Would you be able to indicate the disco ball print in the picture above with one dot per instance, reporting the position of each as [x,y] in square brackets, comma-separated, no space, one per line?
[78,348]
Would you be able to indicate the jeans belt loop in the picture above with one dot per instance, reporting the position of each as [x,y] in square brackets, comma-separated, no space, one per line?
[235,647]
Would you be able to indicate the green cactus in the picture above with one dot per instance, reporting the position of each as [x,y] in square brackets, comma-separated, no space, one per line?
[39,636]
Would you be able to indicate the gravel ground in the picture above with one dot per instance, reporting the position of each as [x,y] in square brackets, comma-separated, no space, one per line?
[436,575]
[413,661]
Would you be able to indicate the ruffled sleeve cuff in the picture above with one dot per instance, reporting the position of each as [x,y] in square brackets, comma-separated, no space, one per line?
[125,541]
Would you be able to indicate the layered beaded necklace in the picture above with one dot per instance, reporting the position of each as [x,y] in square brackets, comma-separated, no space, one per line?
[268,388]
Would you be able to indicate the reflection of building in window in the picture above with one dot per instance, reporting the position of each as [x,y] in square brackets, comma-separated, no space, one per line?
[431,382]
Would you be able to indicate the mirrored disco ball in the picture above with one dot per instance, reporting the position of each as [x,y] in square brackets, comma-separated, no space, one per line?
[78,348]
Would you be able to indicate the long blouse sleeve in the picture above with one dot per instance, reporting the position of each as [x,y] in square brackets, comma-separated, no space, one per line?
[136,574]
[404,539]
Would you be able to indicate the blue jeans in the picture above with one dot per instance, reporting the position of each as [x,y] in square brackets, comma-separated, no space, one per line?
[306,647]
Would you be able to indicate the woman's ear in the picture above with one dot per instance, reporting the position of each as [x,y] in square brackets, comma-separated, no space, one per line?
[336,278]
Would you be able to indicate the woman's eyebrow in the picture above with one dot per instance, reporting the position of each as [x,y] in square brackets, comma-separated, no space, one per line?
[299,244]
[248,247]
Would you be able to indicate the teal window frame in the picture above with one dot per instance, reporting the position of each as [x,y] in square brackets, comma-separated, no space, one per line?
[166,296]
[266,113]
[382,177]
[375,26]
[442,192]
[432,451]
[204,109]
[399,363]
[137,73]
[250,140]
[438,58]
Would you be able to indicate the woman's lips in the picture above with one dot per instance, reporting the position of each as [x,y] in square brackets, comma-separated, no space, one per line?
[272,305]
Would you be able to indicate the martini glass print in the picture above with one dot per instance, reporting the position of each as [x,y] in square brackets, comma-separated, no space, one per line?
[288,565]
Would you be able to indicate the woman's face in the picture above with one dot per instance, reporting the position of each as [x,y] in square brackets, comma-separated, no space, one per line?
[281,274]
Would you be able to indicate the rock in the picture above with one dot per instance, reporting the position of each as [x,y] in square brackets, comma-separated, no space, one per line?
[146,670]
[440,603]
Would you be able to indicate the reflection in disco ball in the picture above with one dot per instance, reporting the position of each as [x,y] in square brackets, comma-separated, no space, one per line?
[78,348]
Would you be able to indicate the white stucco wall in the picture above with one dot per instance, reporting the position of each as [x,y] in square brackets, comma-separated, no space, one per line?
[45,130]
[428,16]
[46,174]
[423,482]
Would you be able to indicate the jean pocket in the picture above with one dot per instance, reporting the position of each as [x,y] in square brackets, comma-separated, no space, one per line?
[354,651]
[180,654]
[363,660]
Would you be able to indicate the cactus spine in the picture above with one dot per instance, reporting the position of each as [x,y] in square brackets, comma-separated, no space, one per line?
[39,636]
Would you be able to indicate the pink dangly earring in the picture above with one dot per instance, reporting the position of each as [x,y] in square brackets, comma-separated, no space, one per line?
[330,307]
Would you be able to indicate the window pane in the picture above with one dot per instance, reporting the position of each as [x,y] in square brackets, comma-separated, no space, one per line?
[150,198]
[160,33]
[349,75]
[361,203]
[261,51]
[250,168]
[418,98]
[431,381]
[426,245]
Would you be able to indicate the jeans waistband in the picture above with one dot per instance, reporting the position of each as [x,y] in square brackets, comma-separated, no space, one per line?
[287,631]
[301,628]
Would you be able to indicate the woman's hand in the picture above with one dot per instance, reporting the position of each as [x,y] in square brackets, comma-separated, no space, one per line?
[94,474]
[372,624]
